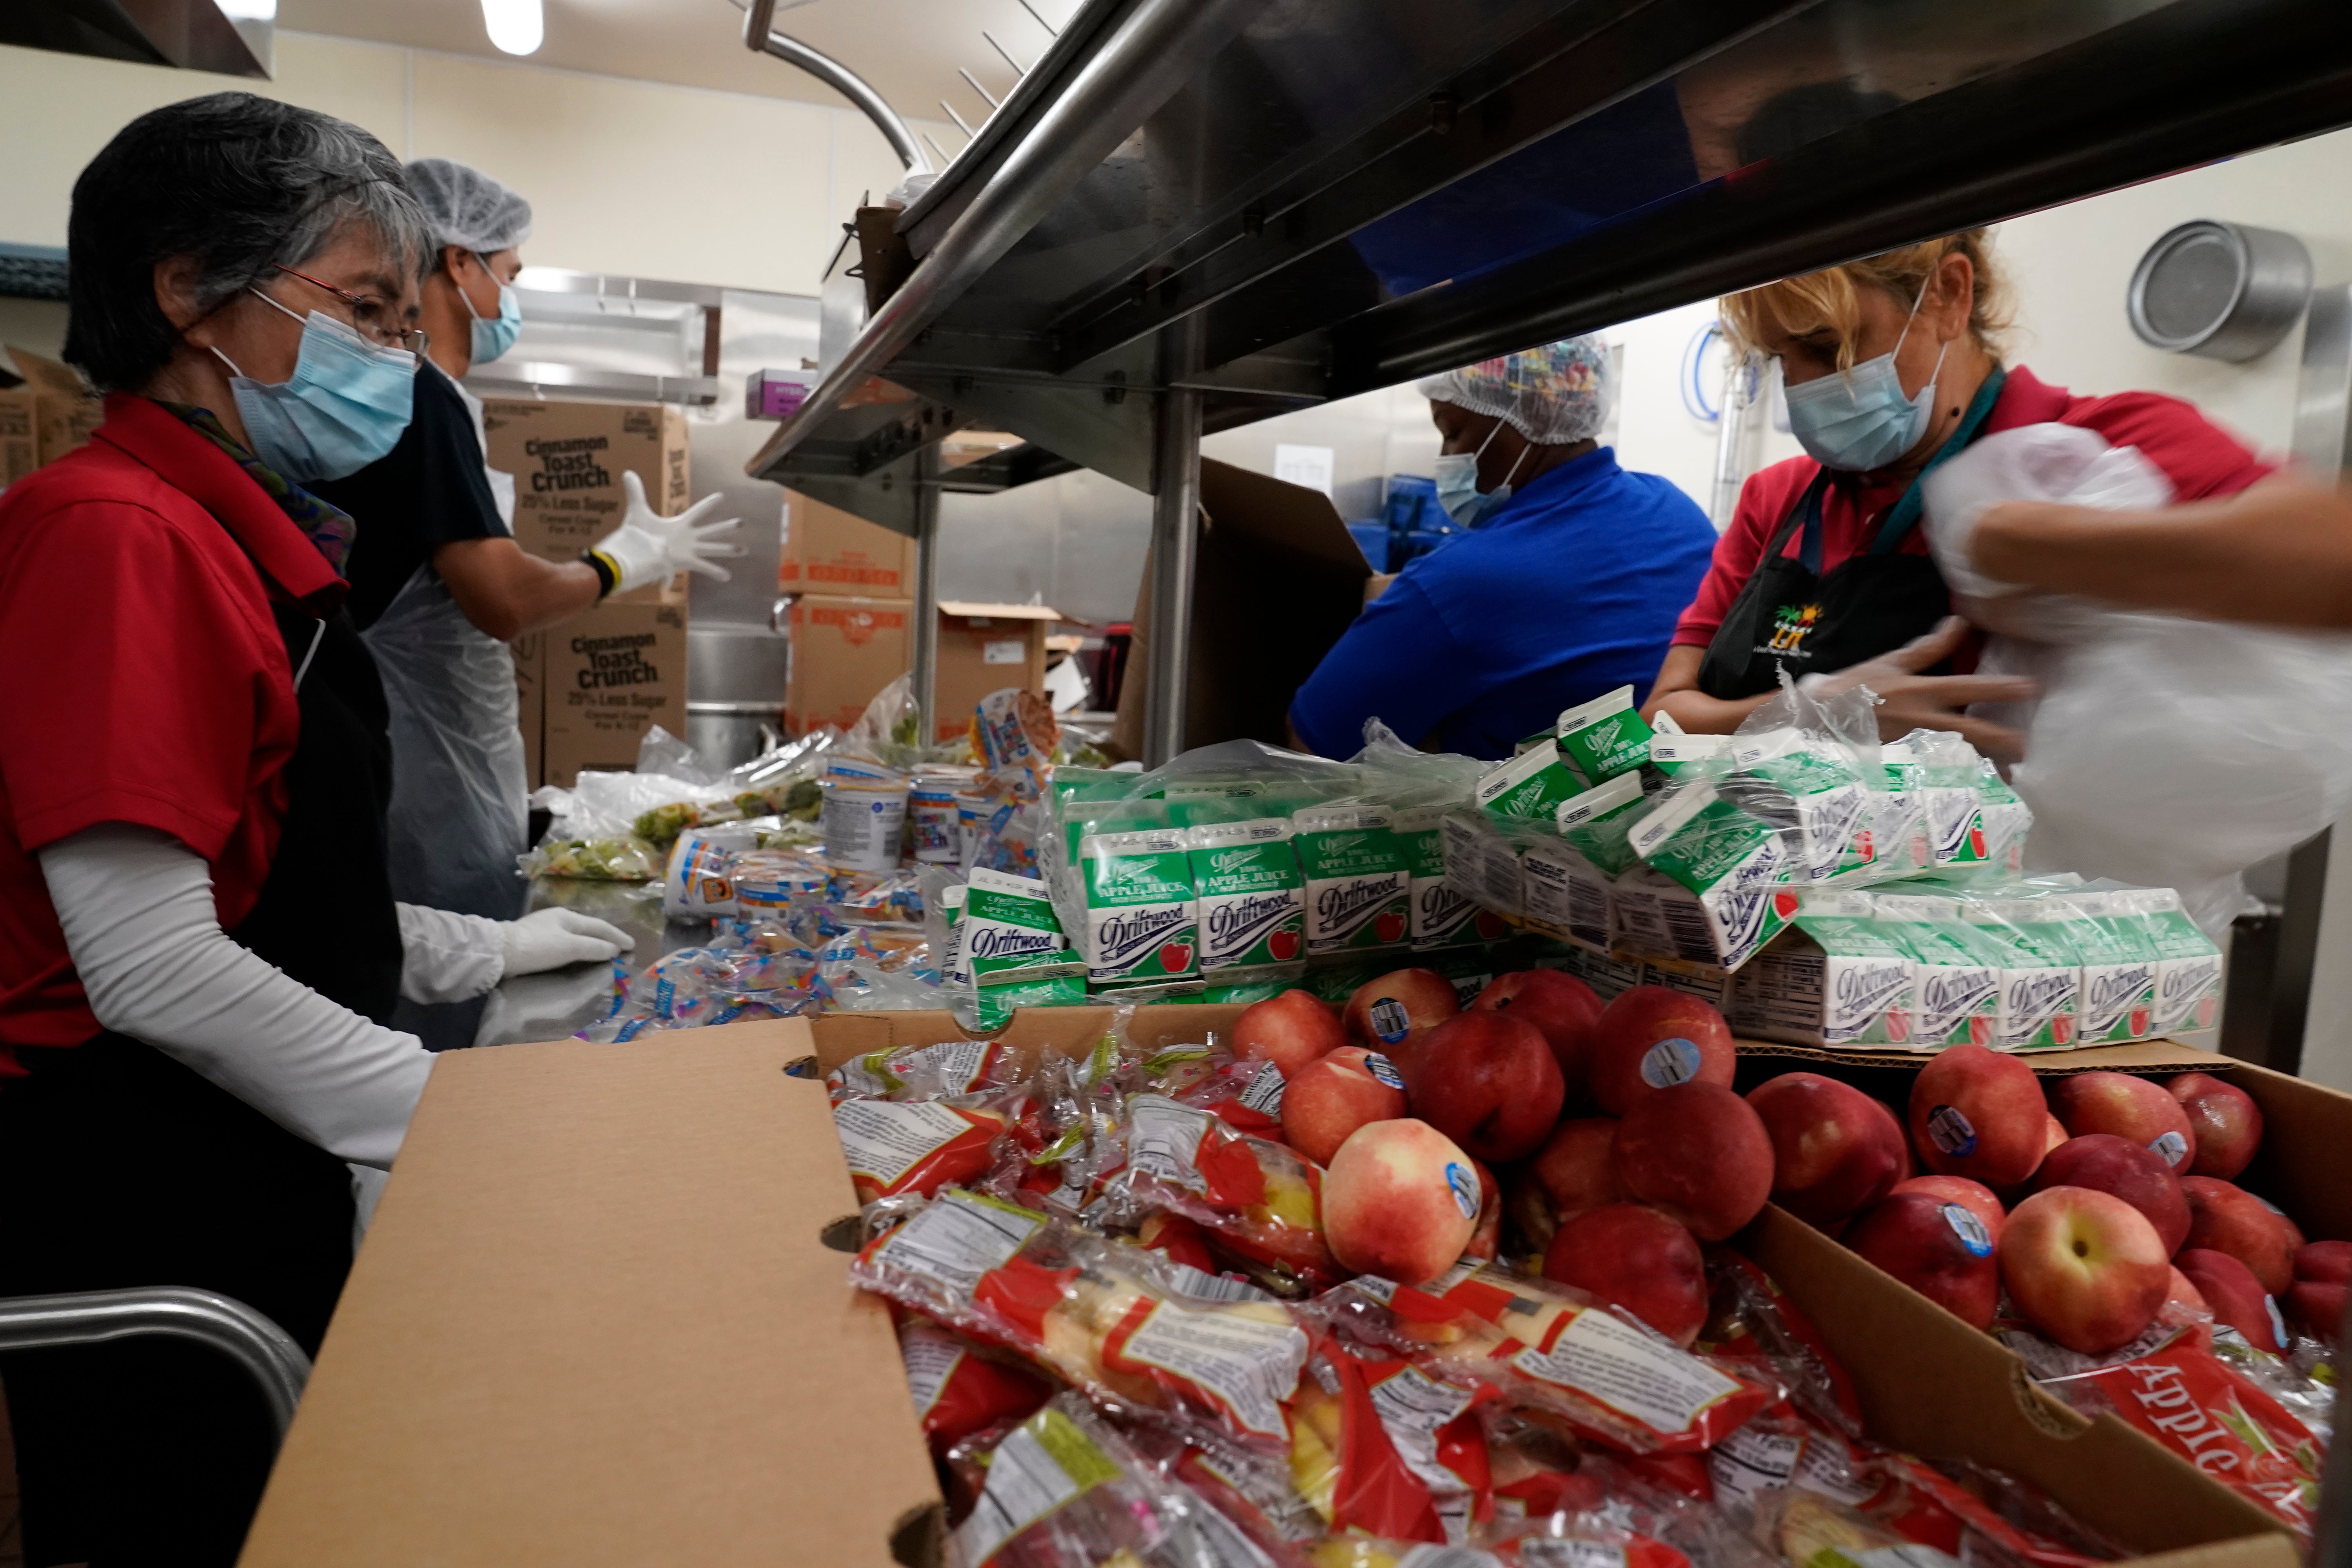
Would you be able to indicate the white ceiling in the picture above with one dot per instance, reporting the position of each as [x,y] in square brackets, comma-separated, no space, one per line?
[909,49]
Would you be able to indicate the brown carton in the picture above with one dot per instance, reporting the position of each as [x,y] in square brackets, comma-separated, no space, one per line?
[827,551]
[844,650]
[530,702]
[985,648]
[611,675]
[20,434]
[65,410]
[567,460]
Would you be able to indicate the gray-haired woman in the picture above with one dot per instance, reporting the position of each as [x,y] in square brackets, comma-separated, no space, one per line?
[198,945]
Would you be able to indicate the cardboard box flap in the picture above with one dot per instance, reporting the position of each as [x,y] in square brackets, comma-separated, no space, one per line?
[593,1323]
[2305,1128]
[2138,1056]
[1005,612]
[45,374]
[1278,515]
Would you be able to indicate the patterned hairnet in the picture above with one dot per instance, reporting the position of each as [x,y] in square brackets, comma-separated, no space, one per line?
[1552,395]
[468,207]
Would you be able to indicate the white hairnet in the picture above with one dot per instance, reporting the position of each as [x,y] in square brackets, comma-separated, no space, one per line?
[1553,395]
[468,207]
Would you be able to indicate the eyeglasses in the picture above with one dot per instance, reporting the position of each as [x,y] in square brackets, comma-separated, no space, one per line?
[372,316]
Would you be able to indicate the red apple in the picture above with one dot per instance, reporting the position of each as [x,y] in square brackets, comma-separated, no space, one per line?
[1289,1030]
[1835,1151]
[2324,1262]
[1559,1005]
[1572,1168]
[1937,1247]
[1631,1256]
[2138,1175]
[2234,1297]
[2184,1293]
[1488,1239]
[2084,1267]
[2316,1307]
[1390,1014]
[2053,1134]
[1977,1113]
[1973,1197]
[2225,1217]
[1488,1081]
[1399,1200]
[2225,1123]
[2136,1109]
[1698,1151]
[1651,1037]
[1333,1096]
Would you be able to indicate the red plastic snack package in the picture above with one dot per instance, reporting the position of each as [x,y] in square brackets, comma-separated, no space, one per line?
[926,1072]
[1261,1201]
[1751,1320]
[1386,1448]
[957,1389]
[1553,1349]
[917,1146]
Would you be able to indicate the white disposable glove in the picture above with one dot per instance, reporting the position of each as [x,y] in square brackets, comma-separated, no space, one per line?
[550,939]
[648,548]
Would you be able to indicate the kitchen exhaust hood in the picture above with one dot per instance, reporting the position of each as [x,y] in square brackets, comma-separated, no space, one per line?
[192,35]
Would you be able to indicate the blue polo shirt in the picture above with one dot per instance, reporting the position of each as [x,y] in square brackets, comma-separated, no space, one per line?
[1568,590]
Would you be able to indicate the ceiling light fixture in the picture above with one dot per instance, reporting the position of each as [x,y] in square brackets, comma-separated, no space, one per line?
[515,25]
[249,10]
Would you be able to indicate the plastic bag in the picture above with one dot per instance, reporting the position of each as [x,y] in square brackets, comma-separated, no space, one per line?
[958,1388]
[1262,1200]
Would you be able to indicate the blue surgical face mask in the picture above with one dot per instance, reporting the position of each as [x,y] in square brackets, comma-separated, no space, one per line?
[345,406]
[1457,483]
[1859,419]
[493,335]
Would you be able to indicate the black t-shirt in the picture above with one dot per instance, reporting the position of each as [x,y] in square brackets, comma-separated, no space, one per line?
[428,491]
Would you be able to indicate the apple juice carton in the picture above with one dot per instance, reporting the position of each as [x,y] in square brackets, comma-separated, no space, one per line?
[2038,1001]
[1711,892]
[2119,969]
[1955,983]
[1819,793]
[1670,750]
[1602,739]
[1358,888]
[1838,976]
[1252,898]
[1014,947]
[2188,965]
[1446,913]
[2007,819]
[1950,800]
[1528,787]
[1893,842]
[1566,880]
[1142,915]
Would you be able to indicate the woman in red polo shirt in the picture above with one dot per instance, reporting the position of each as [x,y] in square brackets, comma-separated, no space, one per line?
[1892,365]
[198,943]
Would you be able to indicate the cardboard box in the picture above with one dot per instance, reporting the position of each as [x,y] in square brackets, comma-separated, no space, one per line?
[530,702]
[568,459]
[828,551]
[844,650]
[20,434]
[1277,580]
[611,675]
[985,648]
[628,1337]
[65,411]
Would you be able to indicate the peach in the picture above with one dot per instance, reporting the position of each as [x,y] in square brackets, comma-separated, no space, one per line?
[2225,1125]
[2225,1217]
[1563,1008]
[1977,1113]
[1289,1030]
[1333,1095]
[1631,1256]
[1937,1247]
[1390,1014]
[1973,1197]
[1699,1153]
[2136,1109]
[2138,1175]
[2234,1297]
[2324,1262]
[2084,1267]
[1835,1151]
[1400,1201]
[2316,1307]
[1651,1039]
[2184,1293]
[1488,1081]
[1574,1165]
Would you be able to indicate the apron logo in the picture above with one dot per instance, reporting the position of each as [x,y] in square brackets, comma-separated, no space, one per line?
[1790,625]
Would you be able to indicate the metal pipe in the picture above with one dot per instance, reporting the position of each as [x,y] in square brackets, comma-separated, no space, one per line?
[1152,52]
[973,82]
[927,593]
[269,1355]
[1051,30]
[957,118]
[1018,69]
[1175,545]
[934,146]
[761,38]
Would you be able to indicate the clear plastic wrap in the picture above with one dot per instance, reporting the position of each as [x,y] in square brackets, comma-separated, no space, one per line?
[1261,1200]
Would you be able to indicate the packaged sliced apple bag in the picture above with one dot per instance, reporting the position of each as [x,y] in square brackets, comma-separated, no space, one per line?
[1126,1326]
[1552,1349]
[926,1072]
[960,1388]
[1260,1201]
[1383,1448]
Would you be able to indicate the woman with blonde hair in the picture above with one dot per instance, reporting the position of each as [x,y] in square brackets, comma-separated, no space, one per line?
[1892,365]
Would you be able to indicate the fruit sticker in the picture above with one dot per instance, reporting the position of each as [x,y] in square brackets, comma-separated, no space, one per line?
[1253,899]
[1358,887]
[1142,918]
[1391,1022]
[1381,1067]
[1952,1132]
[1669,1062]
[1465,1185]
[1968,1227]
[2171,1147]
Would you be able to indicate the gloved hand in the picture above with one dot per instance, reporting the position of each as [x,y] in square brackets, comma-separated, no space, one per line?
[549,939]
[648,548]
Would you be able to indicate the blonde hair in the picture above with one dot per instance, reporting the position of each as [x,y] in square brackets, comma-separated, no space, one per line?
[1831,298]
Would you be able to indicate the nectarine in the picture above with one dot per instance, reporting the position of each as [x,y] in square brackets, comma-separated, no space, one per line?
[1399,1200]
[2138,1175]
[1937,1247]
[1333,1096]
[1563,1008]
[1835,1151]
[1977,1113]
[2225,1125]
[1289,1030]
[2225,1217]
[2133,1109]
[1488,1081]
[2084,1267]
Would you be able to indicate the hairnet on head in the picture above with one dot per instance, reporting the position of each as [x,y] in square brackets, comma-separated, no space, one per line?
[468,207]
[1553,395]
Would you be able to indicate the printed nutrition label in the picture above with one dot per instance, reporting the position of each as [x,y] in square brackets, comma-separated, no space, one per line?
[1162,1139]
[1247,1364]
[1623,1368]
[957,1240]
[884,1141]
[1033,1472]
[931,1355]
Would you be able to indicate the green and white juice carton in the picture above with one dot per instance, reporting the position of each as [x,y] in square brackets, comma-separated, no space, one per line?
[2006,819]
[1955,981]
[2040,995]
[1566,881]
[1143,918]
[1712,891]
[1479,858]
[1446,913]
[1358,888]
[1014,949]
[2188,966]
[2119,969]
[1528,787]
[1825,798]
[1252,897]
[1670,750]
[1838,976]
[1949,798]
[1894,839]
[1603,738]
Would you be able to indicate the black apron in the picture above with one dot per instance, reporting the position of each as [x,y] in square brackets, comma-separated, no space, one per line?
[1791,614]
[124,1168]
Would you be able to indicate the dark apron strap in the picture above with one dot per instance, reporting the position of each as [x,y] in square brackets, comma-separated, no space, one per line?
[1905,515]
